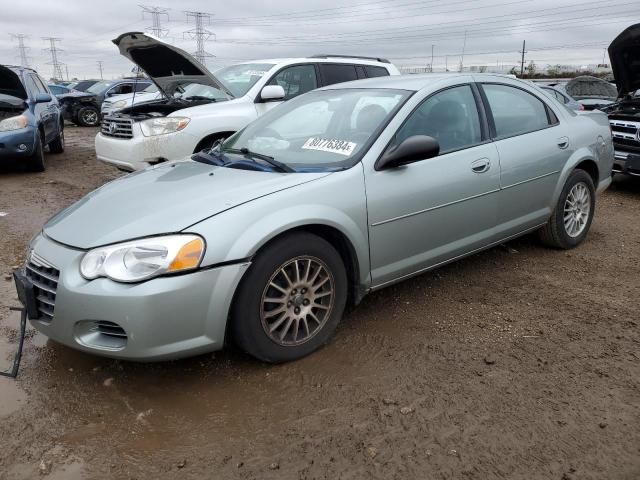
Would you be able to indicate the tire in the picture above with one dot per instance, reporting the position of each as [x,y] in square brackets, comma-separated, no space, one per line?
[37,162]
[304,298]
[557,233]
[88,117]
[57,145]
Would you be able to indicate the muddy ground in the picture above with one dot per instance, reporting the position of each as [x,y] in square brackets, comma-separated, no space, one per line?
[517,363]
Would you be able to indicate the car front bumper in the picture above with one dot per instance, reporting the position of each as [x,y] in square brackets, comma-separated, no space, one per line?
[626,162]
[139,152]
[17,143]
[160,319]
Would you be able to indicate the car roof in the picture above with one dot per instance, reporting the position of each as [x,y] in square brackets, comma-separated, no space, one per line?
[414,82]
[18,68]
[324,59]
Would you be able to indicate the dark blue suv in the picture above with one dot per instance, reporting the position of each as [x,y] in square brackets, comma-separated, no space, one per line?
[30,118]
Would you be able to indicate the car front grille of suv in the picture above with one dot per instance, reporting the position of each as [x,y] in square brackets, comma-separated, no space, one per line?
[117,127]
[626,135]
[45,280]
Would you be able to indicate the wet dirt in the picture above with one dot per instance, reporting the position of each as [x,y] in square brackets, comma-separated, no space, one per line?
[520,363]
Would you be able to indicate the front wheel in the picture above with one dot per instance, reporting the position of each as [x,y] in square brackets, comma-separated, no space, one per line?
[291,299]
[88,117]
[57,145]
[571,219]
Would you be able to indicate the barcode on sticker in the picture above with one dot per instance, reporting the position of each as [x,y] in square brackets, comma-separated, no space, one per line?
[332,145]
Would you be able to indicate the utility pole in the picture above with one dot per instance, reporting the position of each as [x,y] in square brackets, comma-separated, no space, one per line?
[432,47]
[53,50]
[603,55]
[156,13]
[524,44]
[200,34]
[100,68]
[22,48]
[66,69]
[464,46]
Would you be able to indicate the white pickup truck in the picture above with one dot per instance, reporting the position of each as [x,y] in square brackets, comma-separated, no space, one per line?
[198,108]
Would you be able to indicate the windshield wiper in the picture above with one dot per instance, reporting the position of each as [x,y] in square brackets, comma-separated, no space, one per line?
[207,157]
[278,166]
[198,97]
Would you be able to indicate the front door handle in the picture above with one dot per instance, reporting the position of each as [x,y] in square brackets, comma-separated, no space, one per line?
[481,165]
[563,142]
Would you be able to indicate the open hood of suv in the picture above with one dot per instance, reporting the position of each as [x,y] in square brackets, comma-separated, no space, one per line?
[10,84]
[624,53]
[167,66]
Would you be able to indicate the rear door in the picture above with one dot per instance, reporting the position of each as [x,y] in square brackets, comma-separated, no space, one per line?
[533,146]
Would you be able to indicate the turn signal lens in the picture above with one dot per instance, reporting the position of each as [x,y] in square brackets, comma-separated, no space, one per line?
[188,256]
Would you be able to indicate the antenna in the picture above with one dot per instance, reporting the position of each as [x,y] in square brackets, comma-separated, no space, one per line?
[200,34]
[53,50]
[156,13]
[22,48]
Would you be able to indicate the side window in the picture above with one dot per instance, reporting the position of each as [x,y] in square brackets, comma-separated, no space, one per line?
[515,111]
[56,90]
[31,85]
[124,88]
[140,86]
[337,73]
[373,71]
[41,85]
[450,116]
[296,80]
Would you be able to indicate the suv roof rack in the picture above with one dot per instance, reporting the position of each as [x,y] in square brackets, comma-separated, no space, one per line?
[376,59]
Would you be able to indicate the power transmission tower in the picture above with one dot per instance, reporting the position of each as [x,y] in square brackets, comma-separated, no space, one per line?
[100,68]
[22,48]
[54,50]
[156,13]
[524,44]
[200,34]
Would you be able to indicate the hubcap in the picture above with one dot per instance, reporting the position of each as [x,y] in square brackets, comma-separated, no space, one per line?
[90,117]
[297,301]
[576,209]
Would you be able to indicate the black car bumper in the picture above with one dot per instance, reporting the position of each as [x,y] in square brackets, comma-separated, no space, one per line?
[628,163]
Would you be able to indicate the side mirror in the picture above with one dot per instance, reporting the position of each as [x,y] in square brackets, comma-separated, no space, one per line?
[272,93]
[412,149]
[43,98]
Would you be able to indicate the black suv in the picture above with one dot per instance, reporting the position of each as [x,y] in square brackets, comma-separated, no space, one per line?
[30,118]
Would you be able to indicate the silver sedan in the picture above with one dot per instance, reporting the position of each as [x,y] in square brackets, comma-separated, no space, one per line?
[264,239]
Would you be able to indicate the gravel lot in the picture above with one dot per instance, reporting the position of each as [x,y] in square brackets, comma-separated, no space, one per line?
[517,363]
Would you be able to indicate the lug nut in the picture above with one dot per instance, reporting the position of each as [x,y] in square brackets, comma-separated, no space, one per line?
[288,304]
[294,291]
[304,290]
[297,310]
[306,301]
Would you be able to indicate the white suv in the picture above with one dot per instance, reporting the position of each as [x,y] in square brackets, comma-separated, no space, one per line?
[199,108]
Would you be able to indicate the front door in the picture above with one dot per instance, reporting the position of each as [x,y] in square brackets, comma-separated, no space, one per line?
[428,212]
[295,80]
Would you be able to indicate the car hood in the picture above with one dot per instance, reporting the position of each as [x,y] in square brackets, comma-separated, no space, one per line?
[586,86]
[10,83]
[624,53]
[164,199]
[166,65]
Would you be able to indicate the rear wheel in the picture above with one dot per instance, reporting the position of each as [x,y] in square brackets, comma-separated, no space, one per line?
[36,162]
[88,117]
[57,145]
[571,219]
[291,299]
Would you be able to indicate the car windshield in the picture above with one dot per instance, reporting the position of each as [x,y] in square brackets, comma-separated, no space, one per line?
[322,130]
[198,91]
[151,89]
[238,79]
[99,87]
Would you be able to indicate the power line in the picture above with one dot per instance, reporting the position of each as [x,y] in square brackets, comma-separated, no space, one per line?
[156,14]
[200,34]
[22,48]
[54,50]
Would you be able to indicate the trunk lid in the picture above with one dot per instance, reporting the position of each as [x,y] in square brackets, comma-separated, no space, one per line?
[167,66]
[624,53]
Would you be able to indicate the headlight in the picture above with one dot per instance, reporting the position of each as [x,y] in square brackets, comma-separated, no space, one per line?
[144,259]
[13,123]
[119,104]
[162,125]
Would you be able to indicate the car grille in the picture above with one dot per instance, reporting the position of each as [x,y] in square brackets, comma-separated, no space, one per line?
[626,133]
[45,281]
[117,127]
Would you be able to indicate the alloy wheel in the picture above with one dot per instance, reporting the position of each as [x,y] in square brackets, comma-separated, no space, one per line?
[577,208]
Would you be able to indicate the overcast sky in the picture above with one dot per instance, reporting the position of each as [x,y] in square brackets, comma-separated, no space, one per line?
[557,31]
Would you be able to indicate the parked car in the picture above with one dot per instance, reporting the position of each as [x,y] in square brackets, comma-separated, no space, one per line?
[215,106]
[108,88]
[341,191]
[30,118]
[81,108]
[624,115]
[592,92]
[563,98]
[120,102]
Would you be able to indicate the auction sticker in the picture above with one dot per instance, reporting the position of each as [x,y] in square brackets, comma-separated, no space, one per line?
[332,145]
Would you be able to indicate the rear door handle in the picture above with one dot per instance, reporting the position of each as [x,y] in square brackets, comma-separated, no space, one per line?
[481,165]
[563,142]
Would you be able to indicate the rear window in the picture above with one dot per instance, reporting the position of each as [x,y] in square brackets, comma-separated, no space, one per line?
[376,71]
[337,73]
